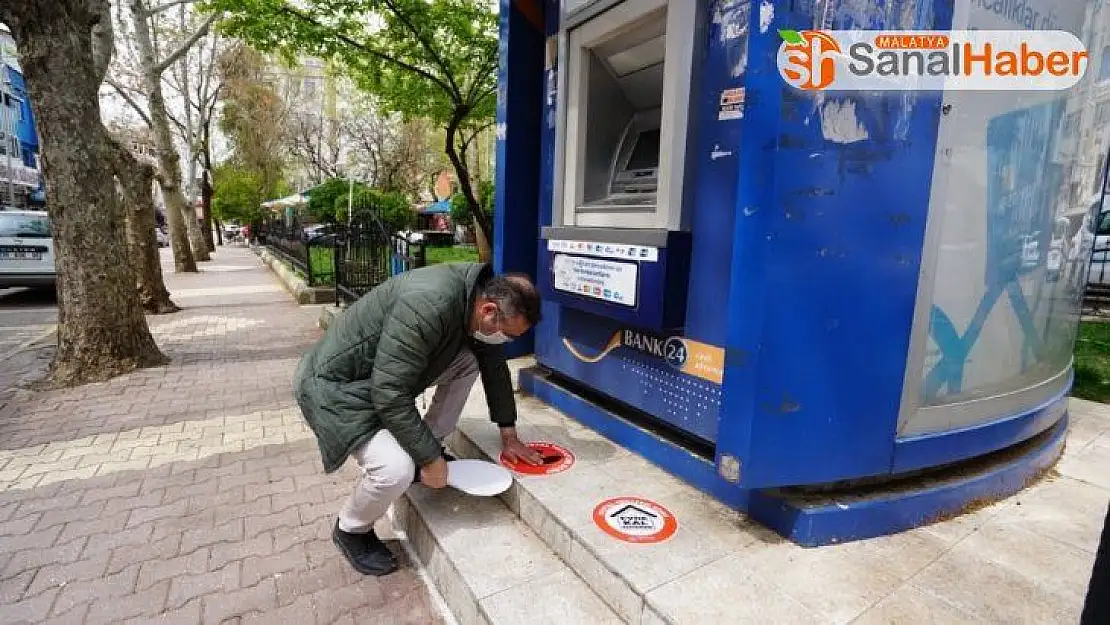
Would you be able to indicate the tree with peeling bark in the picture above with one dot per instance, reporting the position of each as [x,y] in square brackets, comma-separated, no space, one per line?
[422,58]
[184,260]
[102,331]
[136,182]
[136,188]
[151,65]
[197,82]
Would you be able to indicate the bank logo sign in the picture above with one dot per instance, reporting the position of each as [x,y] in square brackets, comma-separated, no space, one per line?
[691,357]
[958,60]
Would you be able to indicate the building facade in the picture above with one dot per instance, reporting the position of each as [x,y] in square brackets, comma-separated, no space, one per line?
[1085,125]
[21,184]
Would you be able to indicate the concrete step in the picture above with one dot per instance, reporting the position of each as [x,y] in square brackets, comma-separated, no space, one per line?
[720,567]
[490,567]
[641,583]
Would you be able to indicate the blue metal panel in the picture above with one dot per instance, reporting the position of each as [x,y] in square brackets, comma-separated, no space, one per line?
[716,166]
[642,381]
[516,225]
[825,267]
[649,384]
[695,470]
[660,298]
[932,450]
[547,333]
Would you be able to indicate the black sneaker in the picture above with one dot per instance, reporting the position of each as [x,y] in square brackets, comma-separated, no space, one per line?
[366,552]
[446,456]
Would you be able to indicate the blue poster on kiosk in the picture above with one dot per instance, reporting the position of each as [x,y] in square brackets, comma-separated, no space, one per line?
[795,297]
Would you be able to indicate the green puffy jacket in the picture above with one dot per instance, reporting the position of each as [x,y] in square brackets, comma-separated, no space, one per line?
[384,350]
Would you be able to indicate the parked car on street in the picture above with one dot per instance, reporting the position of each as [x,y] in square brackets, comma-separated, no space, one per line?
[163,238]
[26,250]
[232,232]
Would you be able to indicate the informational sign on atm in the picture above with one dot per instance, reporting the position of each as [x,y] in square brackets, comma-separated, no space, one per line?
[596,278]
[640,253]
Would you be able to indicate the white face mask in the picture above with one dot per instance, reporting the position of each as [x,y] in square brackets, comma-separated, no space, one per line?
[496,338]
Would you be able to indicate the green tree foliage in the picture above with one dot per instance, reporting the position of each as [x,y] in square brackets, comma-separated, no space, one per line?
[391,209]
[460,208]
[238,194]
[328,203]
[253,119]
[324,199]
[422,58]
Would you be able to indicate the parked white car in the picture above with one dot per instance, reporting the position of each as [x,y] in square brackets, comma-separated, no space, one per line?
[163,238]
[26,250]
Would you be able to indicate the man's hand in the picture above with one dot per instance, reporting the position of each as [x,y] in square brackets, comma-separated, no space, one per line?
[434,474]
[516,451]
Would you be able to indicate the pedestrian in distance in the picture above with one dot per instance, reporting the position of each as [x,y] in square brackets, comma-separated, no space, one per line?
[357,387]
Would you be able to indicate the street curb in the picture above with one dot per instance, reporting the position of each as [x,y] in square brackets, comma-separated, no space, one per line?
[295,284]
[327,315]
[43,339]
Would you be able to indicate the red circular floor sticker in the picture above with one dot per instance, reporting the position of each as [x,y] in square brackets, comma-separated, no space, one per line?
[635,520]
[556,459]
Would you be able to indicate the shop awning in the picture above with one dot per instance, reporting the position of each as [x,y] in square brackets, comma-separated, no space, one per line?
[438,208]
[297,199]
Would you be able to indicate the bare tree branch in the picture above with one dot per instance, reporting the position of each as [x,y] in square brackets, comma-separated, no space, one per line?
[122,91]
[184,47]
[181,129]
[482,95]
[151,12]
[474,135]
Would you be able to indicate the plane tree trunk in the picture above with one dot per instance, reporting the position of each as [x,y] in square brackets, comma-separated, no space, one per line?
[102,331]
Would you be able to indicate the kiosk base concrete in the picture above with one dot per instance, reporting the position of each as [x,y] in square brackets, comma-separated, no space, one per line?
[1023,559]
[823,518]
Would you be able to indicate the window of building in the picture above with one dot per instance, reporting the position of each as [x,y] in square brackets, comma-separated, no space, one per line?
[1071,122]
[1098,174]
[10,144]
[1102,113]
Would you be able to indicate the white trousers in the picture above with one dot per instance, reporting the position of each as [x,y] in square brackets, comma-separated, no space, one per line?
[387,469]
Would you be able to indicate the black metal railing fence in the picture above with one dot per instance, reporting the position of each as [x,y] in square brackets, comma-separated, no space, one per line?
[353,258]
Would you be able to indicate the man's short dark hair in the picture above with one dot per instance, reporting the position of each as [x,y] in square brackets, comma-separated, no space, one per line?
[514,295]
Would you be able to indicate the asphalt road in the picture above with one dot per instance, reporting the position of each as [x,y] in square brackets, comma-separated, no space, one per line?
[26,317]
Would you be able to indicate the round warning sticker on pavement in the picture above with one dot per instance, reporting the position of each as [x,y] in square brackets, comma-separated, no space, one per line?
[556,459]
[635,520]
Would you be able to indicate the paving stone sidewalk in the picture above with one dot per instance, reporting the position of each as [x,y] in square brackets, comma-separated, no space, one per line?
[191,493]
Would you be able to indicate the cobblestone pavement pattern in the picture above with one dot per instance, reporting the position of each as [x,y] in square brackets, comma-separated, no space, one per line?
[27,320]
[191,493]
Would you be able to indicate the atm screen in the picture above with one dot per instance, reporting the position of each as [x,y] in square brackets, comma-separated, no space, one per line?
[645,154]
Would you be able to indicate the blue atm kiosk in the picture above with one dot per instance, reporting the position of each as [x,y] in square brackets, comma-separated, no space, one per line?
[846,314]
